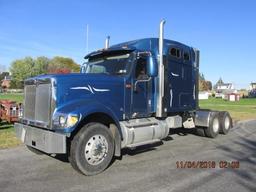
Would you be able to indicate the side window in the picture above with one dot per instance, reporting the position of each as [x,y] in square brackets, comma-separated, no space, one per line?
[175,52]
[186,56]
[97,69]
[141,69]
[178,53]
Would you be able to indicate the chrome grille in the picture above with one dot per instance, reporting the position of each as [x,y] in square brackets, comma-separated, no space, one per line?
[29,105]
[43,103]
[37,105]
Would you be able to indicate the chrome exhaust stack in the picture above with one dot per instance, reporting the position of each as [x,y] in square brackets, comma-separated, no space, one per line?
[159,110]
[107,42]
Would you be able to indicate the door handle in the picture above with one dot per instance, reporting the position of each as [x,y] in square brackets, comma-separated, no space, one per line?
[140,81]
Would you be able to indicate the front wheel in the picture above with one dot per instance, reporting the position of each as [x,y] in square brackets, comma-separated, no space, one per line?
[92,149]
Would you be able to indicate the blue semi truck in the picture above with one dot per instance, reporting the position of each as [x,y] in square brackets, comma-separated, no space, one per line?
[125,96]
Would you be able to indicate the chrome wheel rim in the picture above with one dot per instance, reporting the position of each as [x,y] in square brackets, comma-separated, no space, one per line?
[96,149]
[215,125]
[227,123]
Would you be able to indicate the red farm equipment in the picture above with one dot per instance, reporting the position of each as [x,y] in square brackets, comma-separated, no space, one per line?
[9,111]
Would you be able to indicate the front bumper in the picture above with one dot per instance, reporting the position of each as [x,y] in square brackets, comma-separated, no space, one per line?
[43,140]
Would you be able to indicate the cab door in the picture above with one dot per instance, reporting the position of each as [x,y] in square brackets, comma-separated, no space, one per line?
[141,100]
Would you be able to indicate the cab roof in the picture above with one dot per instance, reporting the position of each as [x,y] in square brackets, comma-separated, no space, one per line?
[147,44]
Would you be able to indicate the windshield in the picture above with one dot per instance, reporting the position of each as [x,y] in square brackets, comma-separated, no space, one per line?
[112,65]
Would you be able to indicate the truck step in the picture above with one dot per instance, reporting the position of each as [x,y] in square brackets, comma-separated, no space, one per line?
[143,143]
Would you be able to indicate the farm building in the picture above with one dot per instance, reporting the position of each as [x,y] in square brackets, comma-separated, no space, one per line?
[225,86]
[224,89]
[6,82]
[203,95]
[232,97]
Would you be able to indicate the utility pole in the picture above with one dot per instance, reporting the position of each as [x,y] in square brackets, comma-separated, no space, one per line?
[87,38]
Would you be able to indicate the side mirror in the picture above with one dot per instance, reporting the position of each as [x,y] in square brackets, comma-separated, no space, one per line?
[152,68]
[83,67]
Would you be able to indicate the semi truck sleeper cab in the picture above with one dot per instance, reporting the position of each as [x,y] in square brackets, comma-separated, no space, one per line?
[126,95]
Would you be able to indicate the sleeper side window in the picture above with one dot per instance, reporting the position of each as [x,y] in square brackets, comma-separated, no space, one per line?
[186,56]
[175,52]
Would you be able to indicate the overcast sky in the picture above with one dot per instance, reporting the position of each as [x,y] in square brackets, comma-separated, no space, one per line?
[223,30]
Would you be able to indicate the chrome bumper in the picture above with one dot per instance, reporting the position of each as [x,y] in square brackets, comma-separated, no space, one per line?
[43,140]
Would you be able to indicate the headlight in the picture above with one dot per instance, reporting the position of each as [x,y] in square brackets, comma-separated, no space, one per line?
[62,121]
[72,120]
[65,121]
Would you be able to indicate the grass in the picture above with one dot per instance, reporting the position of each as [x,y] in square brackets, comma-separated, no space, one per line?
[12,96]
[241,110]
[7,136]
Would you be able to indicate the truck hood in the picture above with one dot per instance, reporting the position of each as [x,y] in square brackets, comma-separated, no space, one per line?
[103,89]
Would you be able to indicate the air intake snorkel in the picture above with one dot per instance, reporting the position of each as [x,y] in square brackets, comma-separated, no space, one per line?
[107,42]
[160,91]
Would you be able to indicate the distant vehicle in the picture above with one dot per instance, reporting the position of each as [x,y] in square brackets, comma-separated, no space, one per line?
[252,93]
[126,95]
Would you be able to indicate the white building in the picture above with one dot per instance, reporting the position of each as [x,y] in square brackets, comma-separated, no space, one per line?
[224,89]
[226,86]
[203,95]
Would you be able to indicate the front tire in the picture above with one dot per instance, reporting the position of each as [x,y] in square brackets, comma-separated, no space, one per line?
[92,149]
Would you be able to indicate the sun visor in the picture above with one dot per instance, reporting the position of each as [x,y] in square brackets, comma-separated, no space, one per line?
[109,52]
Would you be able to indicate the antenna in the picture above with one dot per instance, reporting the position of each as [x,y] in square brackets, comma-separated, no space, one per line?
[87,38]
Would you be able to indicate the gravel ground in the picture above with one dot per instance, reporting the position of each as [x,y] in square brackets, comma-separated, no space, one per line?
[151,168]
